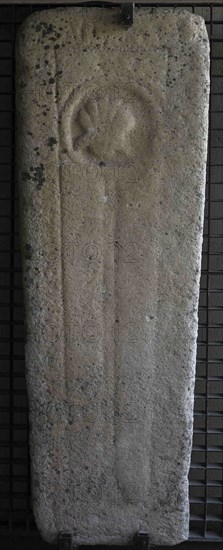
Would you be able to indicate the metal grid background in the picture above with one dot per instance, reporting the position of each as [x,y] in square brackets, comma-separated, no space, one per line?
[206,474]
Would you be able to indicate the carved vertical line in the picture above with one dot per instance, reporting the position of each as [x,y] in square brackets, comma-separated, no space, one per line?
[60,218]
[57,492]
[116,321]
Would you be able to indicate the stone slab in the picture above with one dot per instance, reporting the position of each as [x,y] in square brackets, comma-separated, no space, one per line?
[112,148]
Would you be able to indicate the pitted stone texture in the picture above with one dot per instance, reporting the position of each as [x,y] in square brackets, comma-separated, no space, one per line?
[111,152]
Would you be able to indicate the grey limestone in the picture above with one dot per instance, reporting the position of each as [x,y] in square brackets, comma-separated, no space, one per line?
[112,146]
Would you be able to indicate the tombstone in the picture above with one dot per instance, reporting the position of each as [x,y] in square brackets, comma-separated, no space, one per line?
[112,149]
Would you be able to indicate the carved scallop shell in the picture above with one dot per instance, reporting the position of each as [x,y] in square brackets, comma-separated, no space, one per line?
[114,123]
[102,127]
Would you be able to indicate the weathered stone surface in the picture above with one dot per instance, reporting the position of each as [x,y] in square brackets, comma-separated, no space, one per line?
[112,152]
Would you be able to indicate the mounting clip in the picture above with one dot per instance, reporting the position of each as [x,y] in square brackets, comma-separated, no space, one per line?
[127,10]
[64,541]
[142,540]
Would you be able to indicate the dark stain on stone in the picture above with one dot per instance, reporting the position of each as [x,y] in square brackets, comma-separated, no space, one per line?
[47,29]
[35,175]
[51,142]
[26,176]
[51,80]
[39,176]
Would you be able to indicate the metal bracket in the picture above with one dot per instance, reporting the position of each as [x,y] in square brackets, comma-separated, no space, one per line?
[64,541]
[142,540]
[127,10]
